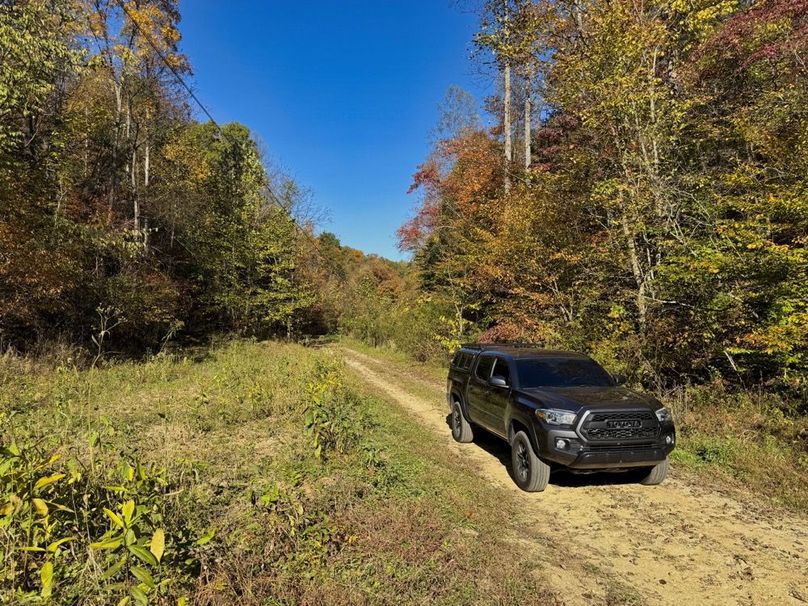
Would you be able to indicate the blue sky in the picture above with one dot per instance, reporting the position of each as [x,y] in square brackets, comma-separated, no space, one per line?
[342,94]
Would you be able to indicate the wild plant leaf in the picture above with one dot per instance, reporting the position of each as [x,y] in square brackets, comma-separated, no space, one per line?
[142,554]
[116,519]
[56,544]
[158,544]
[139,596]
[143,575]
[58,507]
[12,450]
[114,569]
[128,511]
[107,544]
[40,506]
[5,466]
[46,576]
[48,480]
[206,538]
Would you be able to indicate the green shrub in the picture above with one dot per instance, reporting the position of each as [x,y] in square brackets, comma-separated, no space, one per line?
[334,418]
[69,529]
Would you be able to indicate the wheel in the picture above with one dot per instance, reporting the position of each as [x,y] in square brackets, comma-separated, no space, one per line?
[657,474]
[530,473]
[461,429]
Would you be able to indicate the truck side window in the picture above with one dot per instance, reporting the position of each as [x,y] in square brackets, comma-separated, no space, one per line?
[484,366]
[501,370]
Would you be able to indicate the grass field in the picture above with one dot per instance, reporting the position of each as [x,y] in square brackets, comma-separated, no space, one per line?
[255,473]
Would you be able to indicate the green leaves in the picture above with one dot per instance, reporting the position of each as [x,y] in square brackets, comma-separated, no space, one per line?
[143,575]
[143,554]
[206,538]
[107,544]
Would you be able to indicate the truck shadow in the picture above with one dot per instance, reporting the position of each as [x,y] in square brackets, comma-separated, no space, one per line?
[558,477]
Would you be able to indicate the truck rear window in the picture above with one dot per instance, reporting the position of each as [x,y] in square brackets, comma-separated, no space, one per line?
[462,360]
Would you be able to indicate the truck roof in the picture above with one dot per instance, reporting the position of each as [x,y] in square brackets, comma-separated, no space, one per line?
[518,350]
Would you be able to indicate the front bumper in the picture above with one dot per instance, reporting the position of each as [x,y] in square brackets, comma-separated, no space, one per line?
[565,447]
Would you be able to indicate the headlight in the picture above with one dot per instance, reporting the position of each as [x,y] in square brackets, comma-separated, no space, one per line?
[556,417]
[663,414]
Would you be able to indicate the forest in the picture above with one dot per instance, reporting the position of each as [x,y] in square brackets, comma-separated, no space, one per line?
[641,196]
[636,189]
[124,221]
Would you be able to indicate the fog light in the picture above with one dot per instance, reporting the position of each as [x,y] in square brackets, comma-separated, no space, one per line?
[668,440]
[561,444]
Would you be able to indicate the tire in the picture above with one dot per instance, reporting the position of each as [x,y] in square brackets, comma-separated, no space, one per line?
[530,473]
[461,428]
[657,474]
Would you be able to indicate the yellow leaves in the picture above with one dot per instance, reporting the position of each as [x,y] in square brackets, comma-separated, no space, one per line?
[46,481]
[126,54]
[115,518]
[46,577]
[158,544]
[40,506]
[128,511]
[189,157]
[170,34]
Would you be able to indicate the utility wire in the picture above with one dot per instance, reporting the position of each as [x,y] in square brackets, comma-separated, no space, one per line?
[275,199]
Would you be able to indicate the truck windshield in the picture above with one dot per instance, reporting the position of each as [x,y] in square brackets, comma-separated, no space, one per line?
[561,372]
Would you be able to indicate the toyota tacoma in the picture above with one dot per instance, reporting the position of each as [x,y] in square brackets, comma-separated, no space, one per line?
[557,409]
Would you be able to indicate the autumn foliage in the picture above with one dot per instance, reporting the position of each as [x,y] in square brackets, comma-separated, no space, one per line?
[662,221]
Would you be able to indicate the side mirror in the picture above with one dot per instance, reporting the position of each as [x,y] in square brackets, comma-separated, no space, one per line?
[497,381]
[619,379]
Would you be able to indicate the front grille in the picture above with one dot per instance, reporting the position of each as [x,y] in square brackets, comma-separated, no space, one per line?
[599,417]
[619,426]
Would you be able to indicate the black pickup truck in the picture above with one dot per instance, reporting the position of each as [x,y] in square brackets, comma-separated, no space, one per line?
[559,409]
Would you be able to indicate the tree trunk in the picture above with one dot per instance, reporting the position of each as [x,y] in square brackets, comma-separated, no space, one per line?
[507,127]
[146,168]
[135,202]
[636,270]
[528,125]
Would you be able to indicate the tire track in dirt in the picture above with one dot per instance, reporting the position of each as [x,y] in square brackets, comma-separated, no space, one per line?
[675,543]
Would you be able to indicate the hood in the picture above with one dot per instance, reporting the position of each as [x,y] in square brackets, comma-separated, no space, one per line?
[573,398]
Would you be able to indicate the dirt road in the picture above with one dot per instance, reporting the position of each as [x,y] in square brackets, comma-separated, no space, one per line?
[678,543]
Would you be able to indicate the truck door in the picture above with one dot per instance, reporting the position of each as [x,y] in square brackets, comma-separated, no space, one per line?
[498,396]
[477,391]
